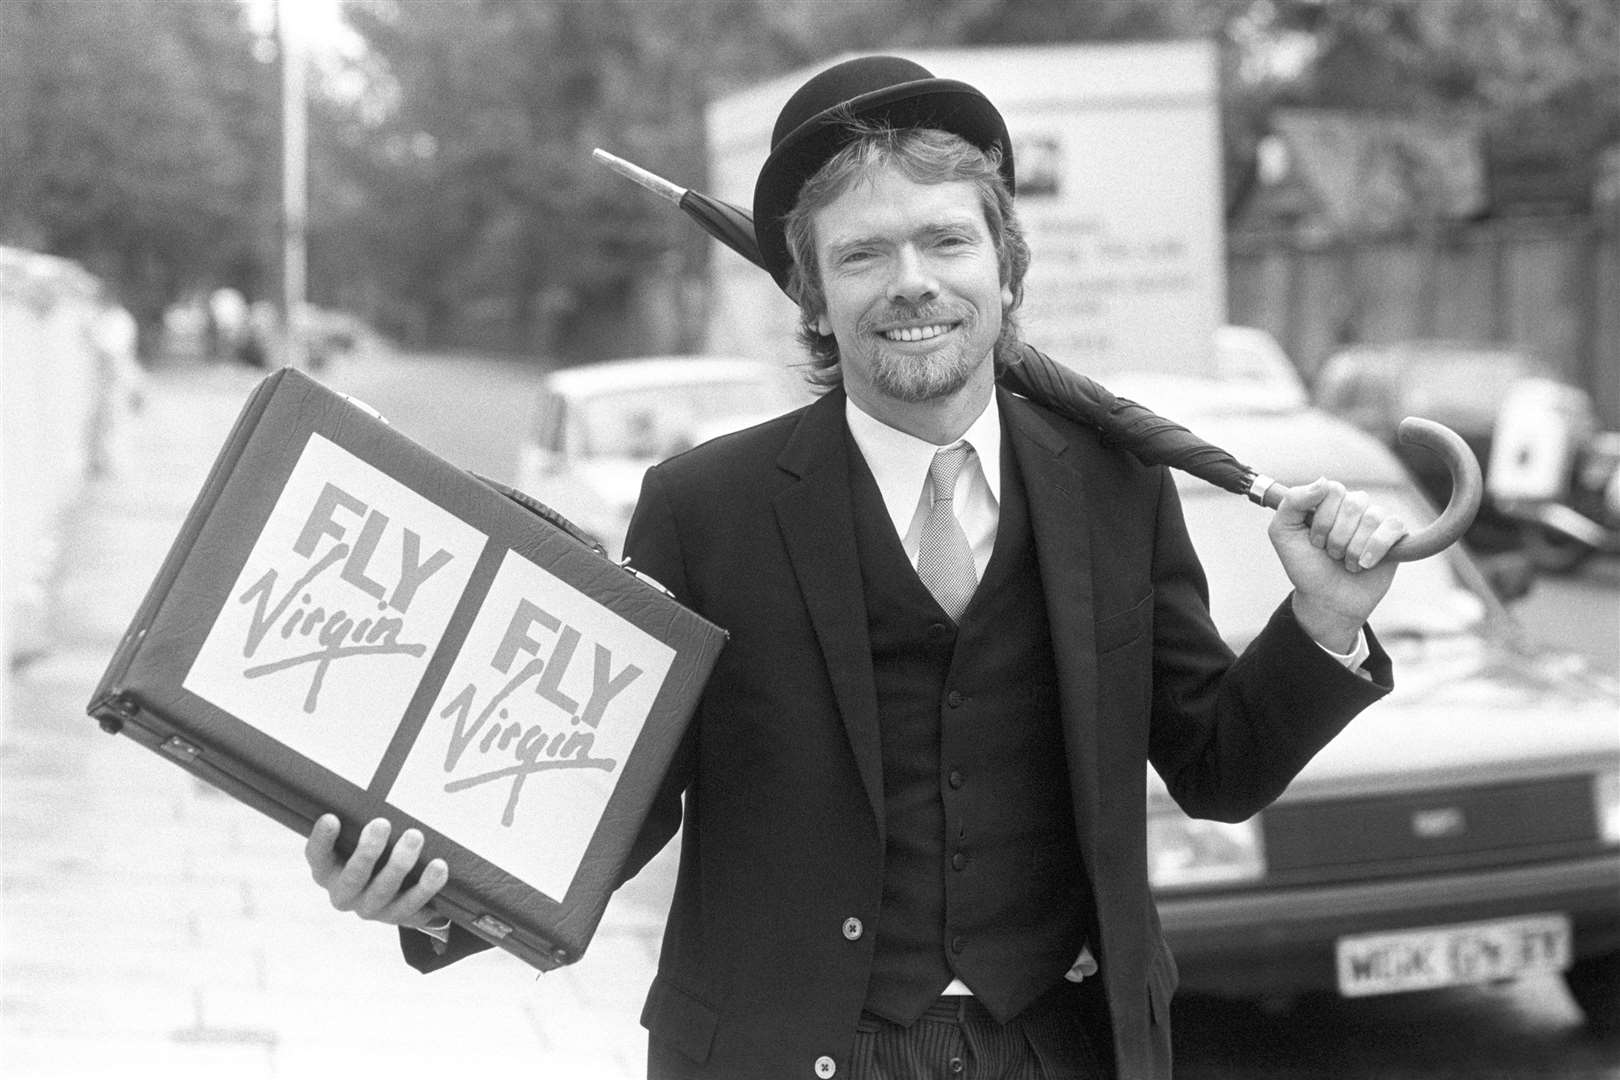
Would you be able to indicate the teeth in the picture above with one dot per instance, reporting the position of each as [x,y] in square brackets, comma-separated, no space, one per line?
[916,333]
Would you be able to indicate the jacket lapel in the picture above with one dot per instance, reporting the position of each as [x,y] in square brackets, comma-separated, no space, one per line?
[1060,522]
[818,527]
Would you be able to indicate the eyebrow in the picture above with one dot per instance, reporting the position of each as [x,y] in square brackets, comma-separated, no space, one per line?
[947,226]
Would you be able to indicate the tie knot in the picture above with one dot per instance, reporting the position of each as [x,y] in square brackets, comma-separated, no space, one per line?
[944,469]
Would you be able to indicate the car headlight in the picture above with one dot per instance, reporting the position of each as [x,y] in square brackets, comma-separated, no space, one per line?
[1184,852]
[1606,798]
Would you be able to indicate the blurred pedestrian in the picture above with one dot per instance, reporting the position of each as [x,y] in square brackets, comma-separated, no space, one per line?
[961,628]
[228,329]
[120,386]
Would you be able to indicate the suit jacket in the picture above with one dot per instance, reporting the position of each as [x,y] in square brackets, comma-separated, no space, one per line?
[768,947]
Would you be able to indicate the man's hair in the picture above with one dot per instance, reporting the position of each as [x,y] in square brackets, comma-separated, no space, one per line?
[927,156]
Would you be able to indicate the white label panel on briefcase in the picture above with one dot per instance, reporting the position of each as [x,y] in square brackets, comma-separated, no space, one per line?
[345,595]
[527,741]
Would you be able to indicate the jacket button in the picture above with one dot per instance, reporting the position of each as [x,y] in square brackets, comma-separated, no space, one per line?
[826,1067]
[853,929]
[958,943]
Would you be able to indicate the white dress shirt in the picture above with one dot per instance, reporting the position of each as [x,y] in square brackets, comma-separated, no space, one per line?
[899,463]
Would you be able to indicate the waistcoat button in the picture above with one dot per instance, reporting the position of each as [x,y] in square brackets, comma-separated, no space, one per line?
[826,1067]
[954,699]
[958,861]
[853,928]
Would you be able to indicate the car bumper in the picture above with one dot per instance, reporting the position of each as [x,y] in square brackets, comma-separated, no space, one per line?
[1254,944]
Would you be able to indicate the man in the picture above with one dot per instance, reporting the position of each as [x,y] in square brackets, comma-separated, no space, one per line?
[961,628]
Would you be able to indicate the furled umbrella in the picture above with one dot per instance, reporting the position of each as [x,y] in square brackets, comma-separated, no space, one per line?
[1151,438]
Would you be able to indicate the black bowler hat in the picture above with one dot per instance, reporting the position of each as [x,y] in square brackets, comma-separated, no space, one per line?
[887,88]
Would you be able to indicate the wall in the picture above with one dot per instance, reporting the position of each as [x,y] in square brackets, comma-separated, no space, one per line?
[48,398]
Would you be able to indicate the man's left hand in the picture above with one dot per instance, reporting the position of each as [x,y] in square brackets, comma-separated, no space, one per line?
[1333,543]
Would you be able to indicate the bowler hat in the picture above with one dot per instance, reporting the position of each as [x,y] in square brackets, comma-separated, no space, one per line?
[809,131]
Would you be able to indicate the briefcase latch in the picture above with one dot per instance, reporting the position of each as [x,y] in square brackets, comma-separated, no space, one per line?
[492,926]
[114,711]
[176,747]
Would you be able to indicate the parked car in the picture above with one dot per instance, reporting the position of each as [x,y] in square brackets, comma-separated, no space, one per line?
[1555,473]
[1464,829]
[1251,372]
[1457,384]
[598,427]
[1250,359]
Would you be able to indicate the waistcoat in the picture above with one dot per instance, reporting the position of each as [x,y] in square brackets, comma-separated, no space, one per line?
[982,876]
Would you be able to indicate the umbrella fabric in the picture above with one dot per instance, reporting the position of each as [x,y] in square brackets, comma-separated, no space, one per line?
[1151,438]
[726,222]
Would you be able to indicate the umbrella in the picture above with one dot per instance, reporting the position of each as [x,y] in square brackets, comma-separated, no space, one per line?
[1151,438]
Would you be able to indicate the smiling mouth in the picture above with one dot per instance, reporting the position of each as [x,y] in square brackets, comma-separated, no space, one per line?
[917,333]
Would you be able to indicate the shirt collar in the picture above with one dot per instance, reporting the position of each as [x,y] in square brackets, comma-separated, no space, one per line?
[899,462]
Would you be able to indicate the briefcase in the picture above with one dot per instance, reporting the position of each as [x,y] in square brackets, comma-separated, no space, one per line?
[349,623]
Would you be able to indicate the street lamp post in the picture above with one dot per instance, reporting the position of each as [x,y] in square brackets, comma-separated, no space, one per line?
[294,185]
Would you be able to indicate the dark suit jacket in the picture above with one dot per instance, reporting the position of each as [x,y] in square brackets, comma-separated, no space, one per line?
[783,828]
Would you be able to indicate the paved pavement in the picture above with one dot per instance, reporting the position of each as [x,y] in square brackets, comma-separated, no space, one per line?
[150,926]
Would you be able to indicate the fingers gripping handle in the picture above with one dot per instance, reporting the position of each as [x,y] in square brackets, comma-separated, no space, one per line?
[1467,489]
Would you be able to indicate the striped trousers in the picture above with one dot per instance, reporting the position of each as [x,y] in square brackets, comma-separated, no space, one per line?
[958,1039]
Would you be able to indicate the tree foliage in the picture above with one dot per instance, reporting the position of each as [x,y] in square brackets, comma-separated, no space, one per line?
[137,136]
[453,196]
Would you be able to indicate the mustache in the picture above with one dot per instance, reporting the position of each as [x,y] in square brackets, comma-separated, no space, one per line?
[902,311]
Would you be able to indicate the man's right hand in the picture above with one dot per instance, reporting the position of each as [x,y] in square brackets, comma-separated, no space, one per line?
[374,893]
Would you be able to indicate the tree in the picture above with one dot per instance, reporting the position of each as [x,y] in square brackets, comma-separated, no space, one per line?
[136,136]
[1542,76]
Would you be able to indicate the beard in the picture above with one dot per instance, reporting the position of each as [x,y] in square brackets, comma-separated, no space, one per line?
[919,377]
[922,378]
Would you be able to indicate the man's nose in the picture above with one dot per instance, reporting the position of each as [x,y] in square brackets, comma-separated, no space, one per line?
[913,279]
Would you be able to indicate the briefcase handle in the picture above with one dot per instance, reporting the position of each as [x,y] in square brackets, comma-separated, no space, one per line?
[535,506]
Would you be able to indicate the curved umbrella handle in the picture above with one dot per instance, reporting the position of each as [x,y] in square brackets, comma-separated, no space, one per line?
[1467,489]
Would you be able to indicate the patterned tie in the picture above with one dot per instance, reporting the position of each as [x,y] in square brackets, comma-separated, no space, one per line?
[944,560]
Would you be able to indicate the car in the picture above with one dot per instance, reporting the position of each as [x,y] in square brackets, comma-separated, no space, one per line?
[1459,384]
[1464,829]
[1251,372]
[1249,358]
[598,427]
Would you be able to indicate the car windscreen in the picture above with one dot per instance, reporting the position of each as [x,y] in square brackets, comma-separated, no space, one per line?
[651,423]
[1464,390]
[1246,581]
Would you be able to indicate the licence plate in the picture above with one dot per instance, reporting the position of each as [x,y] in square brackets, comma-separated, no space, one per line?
[1436,956]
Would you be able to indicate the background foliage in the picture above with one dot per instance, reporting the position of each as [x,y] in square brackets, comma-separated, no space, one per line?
[454,200]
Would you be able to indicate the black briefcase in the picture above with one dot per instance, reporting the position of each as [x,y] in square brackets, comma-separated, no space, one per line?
[349,623]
